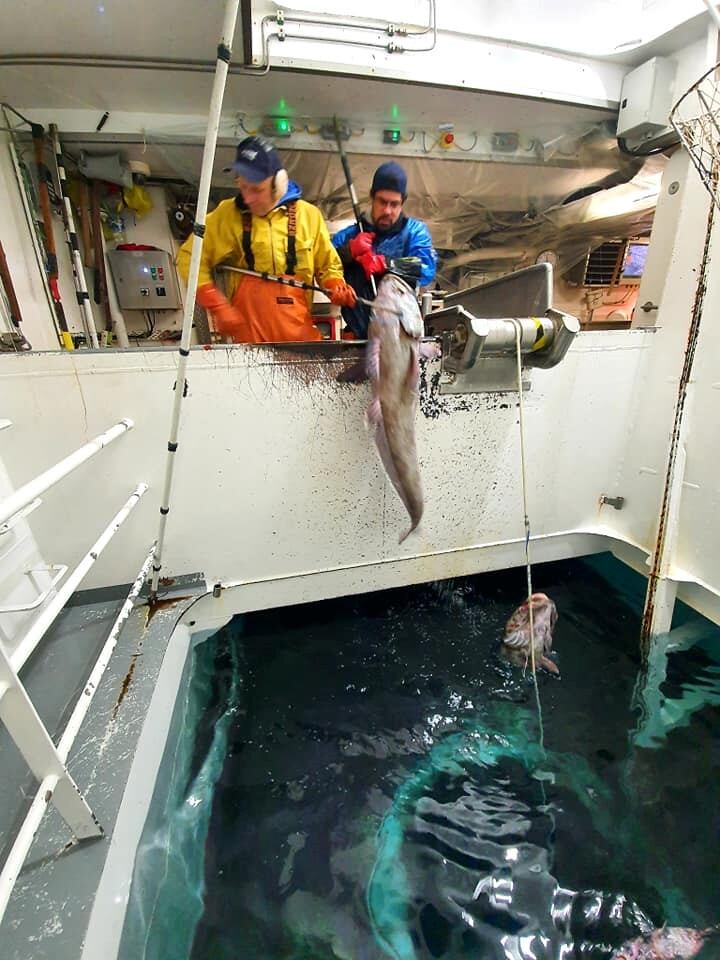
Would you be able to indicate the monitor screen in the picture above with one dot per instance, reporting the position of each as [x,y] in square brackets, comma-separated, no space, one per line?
[634,263]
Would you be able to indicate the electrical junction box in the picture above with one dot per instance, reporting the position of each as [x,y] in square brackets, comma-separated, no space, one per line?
[646,99]
[144,280]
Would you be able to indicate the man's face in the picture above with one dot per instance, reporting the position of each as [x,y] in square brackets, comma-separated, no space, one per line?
[386,208]
[258,197]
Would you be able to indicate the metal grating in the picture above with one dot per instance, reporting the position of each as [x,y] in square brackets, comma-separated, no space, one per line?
[603,265]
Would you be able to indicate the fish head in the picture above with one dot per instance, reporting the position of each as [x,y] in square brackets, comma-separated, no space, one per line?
[396,303]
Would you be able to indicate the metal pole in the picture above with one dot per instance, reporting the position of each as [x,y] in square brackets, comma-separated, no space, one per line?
[25,495]
[42,622]
[224,53]
[43,174]
[287,282]
[71,234]
[351,189]
[38,247]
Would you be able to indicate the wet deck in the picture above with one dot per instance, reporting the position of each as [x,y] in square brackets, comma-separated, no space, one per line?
[50,907]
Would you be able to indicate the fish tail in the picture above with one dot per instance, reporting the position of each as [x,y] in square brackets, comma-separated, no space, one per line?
[373,414]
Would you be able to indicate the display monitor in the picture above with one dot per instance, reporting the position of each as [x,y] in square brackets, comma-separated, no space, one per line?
[634,262]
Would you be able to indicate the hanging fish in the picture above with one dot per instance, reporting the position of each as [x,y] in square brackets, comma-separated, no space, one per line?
[393,352]
[516,640]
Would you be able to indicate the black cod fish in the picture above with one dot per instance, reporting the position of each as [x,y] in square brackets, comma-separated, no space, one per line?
[516,640]
[393,351]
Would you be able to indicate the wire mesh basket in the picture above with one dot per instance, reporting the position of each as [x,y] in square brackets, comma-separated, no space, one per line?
[696,120]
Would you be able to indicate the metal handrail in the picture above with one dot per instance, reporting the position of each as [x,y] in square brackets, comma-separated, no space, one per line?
[41,623]
[60,571]
[26,494]
[20,849]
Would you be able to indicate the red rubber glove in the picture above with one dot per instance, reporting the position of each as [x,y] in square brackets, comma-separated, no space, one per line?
[360,245]
[373,263]
[224,314]
[340,293]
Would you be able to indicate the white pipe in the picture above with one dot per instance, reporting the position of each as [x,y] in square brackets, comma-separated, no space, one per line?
[71,236]
[25,495]
[20,849]
[218,92]
[42,622]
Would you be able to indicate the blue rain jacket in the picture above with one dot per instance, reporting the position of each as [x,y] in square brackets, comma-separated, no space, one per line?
[406,238]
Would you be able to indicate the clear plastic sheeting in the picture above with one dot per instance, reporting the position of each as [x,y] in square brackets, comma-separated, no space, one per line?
[166,898]
[487,214]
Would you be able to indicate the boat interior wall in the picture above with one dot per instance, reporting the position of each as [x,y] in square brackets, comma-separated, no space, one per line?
[314,497]
[673,282]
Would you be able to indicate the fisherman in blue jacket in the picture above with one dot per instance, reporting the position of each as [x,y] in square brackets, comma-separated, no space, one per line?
[388,241]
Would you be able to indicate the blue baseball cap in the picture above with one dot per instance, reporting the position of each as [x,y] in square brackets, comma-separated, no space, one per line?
[255,160]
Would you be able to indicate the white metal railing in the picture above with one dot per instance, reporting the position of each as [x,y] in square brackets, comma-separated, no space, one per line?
[46,761]
[48,614]
[49,766]
[58,571]
[25,495]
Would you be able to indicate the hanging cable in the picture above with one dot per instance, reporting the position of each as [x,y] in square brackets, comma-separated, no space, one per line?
[526,520]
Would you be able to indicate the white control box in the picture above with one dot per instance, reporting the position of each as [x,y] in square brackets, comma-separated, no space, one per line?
[646,99]
[144,279]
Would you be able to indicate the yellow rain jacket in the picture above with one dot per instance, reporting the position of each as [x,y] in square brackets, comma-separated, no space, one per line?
[316,259]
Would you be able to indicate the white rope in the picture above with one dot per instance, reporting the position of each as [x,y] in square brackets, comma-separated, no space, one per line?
[518,335]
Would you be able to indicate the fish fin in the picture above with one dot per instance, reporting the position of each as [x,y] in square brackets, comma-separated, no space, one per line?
[372,358]
[383,446]
[549,665]
[413,374]
[373,414]
[413,526]
[429,350]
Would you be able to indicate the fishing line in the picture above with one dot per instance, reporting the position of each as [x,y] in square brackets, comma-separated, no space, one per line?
[518,334]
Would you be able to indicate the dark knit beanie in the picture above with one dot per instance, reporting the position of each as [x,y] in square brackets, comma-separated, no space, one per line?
[390,176]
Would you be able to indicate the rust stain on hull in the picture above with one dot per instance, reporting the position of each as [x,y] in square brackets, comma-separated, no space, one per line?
[125,686]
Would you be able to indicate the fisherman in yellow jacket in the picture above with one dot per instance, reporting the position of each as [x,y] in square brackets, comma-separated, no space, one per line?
[268,227]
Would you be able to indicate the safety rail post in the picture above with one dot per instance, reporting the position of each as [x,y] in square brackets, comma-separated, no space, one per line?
[27,493]
[48,614]
[21,847]
[34,742]
[224,53]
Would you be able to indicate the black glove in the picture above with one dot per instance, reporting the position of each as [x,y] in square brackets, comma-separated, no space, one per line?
[409,268]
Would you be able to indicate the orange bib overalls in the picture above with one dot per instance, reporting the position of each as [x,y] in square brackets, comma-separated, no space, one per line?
[270,312]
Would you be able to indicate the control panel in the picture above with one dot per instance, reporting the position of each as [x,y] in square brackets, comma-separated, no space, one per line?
[144,280]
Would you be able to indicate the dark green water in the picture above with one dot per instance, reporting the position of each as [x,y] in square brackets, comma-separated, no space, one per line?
[364,808]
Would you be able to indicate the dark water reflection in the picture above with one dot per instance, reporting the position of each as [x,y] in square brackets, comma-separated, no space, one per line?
[360,815]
